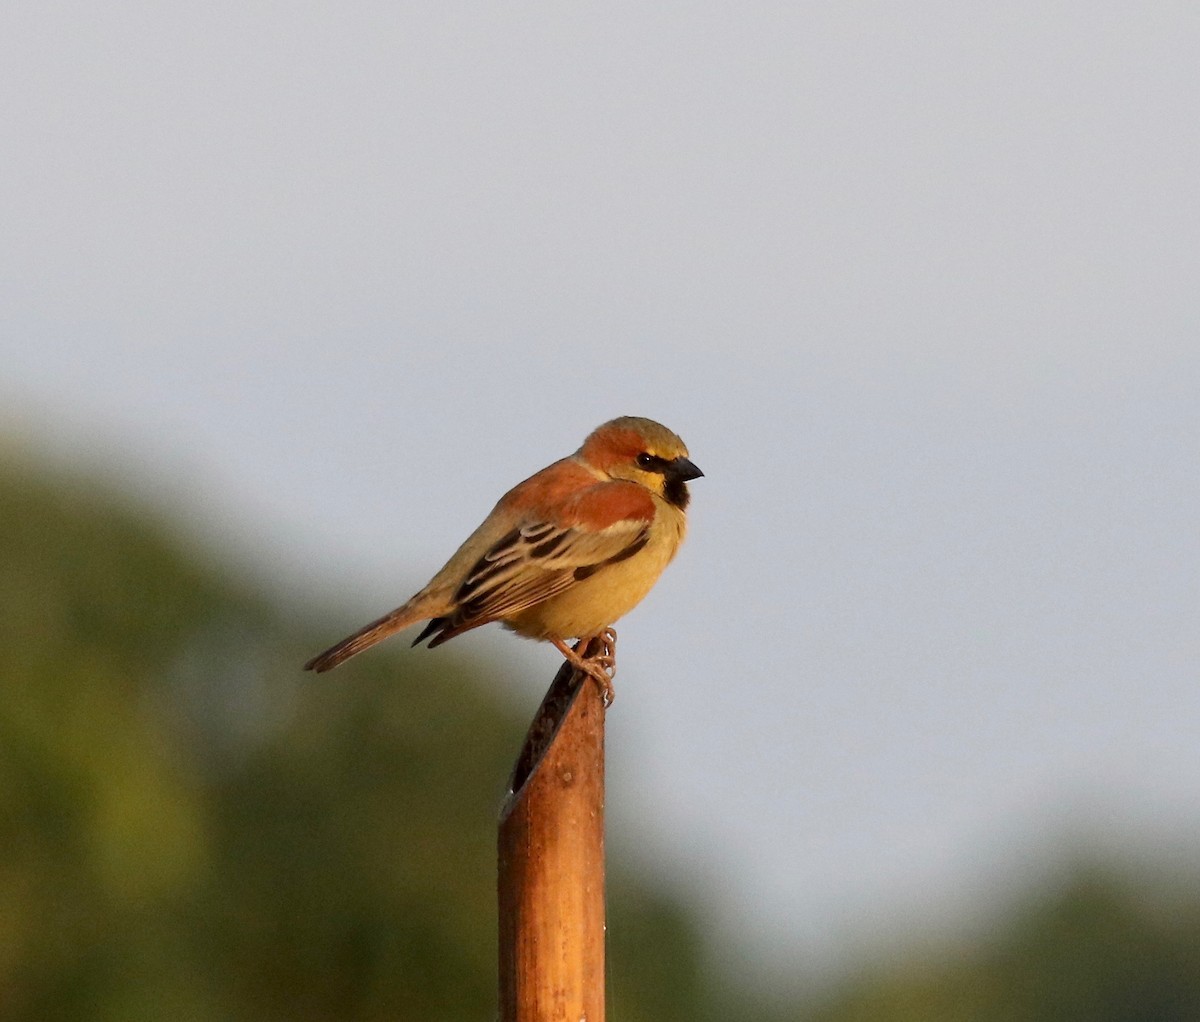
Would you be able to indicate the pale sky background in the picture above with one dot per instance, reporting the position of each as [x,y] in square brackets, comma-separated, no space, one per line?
[918,284]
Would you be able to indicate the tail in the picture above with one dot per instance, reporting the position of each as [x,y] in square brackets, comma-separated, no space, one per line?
[367,636]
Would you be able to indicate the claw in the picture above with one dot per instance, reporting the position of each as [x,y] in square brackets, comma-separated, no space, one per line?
[601,667]
[601,677]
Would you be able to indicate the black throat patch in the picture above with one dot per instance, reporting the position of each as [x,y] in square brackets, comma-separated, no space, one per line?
[675,491]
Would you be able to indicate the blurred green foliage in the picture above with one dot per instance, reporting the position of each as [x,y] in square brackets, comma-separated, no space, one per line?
[1099,948]
[191,828]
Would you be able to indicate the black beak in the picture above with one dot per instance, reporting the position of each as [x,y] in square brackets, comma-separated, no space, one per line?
[683,470]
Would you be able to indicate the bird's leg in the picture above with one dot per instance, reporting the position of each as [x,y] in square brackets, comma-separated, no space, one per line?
[600,668]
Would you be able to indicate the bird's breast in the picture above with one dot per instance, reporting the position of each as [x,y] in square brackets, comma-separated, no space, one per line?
[595,602]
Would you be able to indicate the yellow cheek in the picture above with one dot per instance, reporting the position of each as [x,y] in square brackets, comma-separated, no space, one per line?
[653,481]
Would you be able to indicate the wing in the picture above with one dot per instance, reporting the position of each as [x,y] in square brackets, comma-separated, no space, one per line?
[608,523]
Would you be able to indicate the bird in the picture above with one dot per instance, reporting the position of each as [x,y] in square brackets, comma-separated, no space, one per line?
[563,554]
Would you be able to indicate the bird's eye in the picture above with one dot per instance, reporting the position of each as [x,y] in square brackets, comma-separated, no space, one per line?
[645,460]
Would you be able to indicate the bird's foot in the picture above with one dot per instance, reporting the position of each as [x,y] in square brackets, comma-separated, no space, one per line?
[601,666]
[606,659]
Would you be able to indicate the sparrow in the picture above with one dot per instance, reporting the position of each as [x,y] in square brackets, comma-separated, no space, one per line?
[562,555]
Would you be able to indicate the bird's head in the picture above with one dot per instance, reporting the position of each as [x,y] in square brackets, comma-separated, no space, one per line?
[644,452]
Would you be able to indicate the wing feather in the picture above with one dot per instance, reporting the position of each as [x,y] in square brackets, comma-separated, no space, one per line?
[532,563]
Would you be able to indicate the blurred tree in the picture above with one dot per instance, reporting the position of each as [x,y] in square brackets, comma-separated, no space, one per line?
[193,828]
[1102,950]
[190,827]
[1097,948]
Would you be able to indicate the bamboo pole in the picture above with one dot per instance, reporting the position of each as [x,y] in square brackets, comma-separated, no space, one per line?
[551,862]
